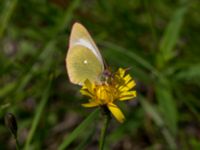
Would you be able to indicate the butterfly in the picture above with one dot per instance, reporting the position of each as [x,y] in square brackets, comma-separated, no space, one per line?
[83,60]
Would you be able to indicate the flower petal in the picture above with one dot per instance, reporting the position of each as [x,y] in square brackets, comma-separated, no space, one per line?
[86,92]
[116,112]
[127,86]
[90,104]
[121,72]
[127,95]
[127,78]
[88,85]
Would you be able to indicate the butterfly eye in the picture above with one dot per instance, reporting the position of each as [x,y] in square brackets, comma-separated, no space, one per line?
[106,76]
[107,73]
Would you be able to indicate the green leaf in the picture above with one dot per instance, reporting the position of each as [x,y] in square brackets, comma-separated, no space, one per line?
[133,56]
[9,87]
[87,138]
[170,37]
[49,46]
[157,118]
[37,117]
[190,73]
[81,128]
[6,14]
[167,104]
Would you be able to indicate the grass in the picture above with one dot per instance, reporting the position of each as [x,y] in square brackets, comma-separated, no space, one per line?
[158,40]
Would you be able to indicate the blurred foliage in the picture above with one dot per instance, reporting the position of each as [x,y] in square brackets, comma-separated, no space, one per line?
[158,40]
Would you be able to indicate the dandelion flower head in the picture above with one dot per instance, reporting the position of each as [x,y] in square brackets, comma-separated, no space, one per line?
[115,87]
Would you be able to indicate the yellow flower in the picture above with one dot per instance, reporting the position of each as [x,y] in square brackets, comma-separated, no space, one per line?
[116,87]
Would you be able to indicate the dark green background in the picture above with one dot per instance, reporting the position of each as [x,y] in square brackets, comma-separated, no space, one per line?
[158,40]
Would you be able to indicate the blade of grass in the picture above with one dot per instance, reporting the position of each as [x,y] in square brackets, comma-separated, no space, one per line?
[3,106]
[151,19]
[68,15]
[167,104]
[87,139]
[6,14]
[153,113]
[37,116]
[138,71]
[7,88]
[188,104]
[48,48]
[133,56]
[190,73]
[170,37]
[81,128]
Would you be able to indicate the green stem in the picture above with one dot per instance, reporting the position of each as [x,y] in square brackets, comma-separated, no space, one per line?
[78,131]
[38,116]
[107,118]
[17,143]
[149,9]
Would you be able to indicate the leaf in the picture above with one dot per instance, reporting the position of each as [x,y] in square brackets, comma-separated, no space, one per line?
[170,37]
[167,104]
[81,128]
[37,116]
[131,55]
[49,46]
[6,14]
[86,139]
[9,87]
[190,73]
[151,111]
[157,118]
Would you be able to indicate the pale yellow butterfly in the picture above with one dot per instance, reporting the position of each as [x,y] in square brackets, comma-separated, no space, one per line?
[83,60]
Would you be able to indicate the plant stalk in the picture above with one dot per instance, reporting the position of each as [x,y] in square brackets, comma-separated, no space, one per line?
[107,118]
[17,143]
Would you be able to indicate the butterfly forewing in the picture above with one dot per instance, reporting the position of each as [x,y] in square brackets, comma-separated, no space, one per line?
[82,64]
[79,35]
[83,59]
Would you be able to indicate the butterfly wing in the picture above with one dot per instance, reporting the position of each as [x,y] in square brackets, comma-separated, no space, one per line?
[83,59]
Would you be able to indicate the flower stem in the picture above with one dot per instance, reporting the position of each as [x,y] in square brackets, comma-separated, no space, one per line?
[107,118]
[17,143]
